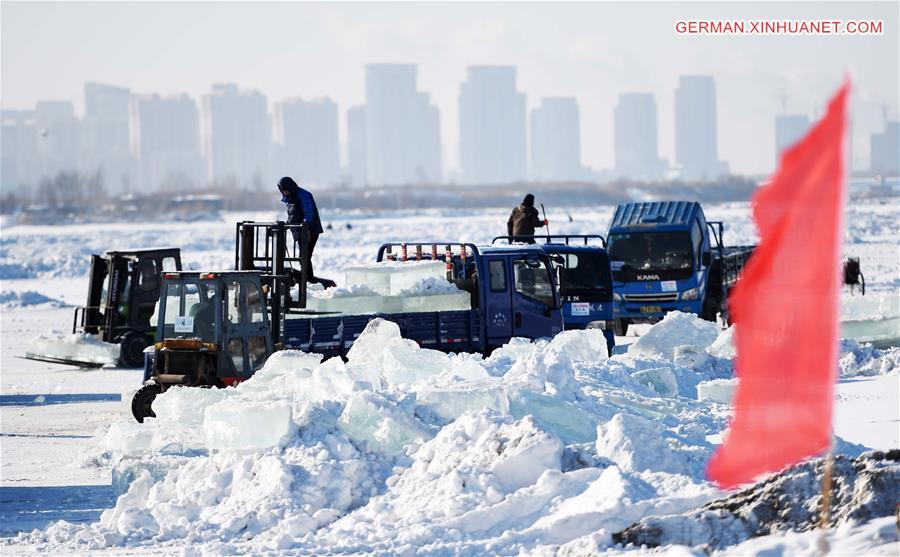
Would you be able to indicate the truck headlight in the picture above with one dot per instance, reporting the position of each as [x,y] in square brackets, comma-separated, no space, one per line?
[617,297]
[691,294]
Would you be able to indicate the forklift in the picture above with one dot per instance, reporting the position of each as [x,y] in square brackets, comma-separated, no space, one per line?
[123,293]
[215,329]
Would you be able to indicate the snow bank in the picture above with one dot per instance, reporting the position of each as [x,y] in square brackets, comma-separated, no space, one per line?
[676,330]
[27,298]
[402,449]
[78,347]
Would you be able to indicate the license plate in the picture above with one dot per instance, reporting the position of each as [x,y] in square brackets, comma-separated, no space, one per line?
[651,309]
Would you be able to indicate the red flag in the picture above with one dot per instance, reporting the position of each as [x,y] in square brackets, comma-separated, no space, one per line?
[786,310]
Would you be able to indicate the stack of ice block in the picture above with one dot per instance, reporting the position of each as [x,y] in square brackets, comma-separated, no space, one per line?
[390,278]
[392,287]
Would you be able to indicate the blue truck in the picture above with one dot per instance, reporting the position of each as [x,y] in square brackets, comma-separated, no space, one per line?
[218,328]
[666,257]
[584,276]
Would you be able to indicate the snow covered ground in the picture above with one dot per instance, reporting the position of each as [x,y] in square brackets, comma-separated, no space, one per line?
[545,447]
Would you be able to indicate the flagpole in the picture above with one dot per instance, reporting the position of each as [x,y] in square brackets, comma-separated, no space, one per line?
[825,508]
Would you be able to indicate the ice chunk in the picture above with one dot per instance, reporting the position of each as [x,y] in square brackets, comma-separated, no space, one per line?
[660,379]
[723,346]
[369,346]
[369,418]
[437,302]
[676,329]
[243,423]
[588,345]
[127,438]
[565,419]
[185,406]
[404,362]
[718,390]
[452,402]
[635,444]
[690,356]
[393,277]
[73,347]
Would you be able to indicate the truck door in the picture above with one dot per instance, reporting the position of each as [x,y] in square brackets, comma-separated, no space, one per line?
[535,302]
[259,341]
[235,330]
[498,300]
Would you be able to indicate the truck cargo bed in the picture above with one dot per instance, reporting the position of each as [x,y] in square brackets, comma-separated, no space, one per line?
[333,335]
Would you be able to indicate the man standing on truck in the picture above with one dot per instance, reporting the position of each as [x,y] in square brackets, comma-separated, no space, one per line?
[523,220]
[301,209]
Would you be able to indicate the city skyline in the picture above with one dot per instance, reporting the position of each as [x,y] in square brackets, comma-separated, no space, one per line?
[592,52]
[153,142]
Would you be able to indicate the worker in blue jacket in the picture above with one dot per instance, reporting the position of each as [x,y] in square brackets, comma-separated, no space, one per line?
[301,209]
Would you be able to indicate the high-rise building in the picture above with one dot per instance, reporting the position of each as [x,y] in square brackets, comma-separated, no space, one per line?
[59,136]
[106,137]
[165,136]
[429,169]
[696,135]
[400,125]
[356,146]
[20,164]
[556,140]
[236,136]
[306,133]
[789,128]
[492,139]
[885,150]
[636,146]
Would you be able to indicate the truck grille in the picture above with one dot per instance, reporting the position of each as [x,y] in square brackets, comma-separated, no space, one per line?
[643,298]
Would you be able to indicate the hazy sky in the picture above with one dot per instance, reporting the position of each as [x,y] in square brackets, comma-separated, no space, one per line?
[590,51]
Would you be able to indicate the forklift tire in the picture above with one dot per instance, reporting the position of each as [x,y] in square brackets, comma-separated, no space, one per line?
[620,327]
[141,404]
[131,351]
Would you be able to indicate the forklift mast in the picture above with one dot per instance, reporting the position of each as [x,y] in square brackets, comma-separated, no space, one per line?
[266,247]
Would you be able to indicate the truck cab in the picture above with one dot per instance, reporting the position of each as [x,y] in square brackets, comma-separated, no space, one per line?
[661,258]
[584,275]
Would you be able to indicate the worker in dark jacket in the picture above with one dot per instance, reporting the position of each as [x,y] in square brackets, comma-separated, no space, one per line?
[301,209]
[523,220]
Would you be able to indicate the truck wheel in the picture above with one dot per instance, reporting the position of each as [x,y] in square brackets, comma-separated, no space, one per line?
[620,327]
[132,350]
[141,404]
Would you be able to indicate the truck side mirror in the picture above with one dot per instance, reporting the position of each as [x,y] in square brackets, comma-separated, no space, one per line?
[706,259]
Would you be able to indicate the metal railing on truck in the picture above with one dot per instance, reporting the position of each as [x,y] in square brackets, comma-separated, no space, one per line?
[431,251]
[547,238]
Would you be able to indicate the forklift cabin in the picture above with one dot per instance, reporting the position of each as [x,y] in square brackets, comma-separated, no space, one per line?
[123,292]
[213,331]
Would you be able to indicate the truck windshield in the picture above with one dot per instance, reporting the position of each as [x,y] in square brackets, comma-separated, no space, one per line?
[652,250]
[190,311]
[586,274]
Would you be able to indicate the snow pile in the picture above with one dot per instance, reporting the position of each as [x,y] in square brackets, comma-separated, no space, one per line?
[79,347]
[863,488]
[857,360]
[675,331]
[11,299]
[402,449]
[402,446]
[392,287]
